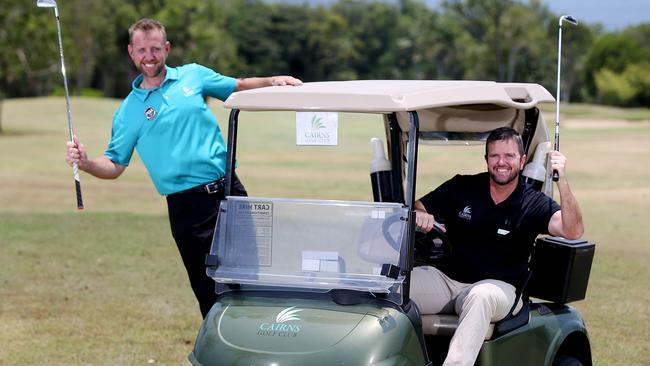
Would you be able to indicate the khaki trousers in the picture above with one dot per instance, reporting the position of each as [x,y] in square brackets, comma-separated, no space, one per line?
[477,305]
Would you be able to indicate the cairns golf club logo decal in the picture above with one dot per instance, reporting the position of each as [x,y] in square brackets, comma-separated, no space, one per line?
[318,130]
[284,325]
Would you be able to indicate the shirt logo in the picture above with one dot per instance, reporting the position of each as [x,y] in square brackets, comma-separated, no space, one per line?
[187,91]
[150,113]
[466,213]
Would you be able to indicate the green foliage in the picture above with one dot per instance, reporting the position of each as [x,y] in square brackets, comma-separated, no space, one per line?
[639,76]
[614,88]
[86,92]
[373,32]
[28,48]
[510,41]
[617,67]
[503,40]
[613,52]
[195,29]
[630,87]
[249,23]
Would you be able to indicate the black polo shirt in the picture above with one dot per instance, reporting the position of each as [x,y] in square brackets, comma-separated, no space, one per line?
[488,241]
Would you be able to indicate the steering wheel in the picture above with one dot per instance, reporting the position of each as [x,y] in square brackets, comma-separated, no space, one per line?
[431,248]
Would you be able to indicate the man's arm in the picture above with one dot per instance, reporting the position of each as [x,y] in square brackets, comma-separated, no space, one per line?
[253,83]
[567,222]
[100,167]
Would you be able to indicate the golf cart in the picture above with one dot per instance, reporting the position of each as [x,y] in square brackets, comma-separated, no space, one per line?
[325,282]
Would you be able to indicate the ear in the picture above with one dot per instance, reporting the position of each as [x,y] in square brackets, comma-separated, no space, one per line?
[523,162]
[168,46]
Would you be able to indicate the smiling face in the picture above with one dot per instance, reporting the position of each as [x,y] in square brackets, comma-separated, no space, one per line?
[504,162]
[149,50]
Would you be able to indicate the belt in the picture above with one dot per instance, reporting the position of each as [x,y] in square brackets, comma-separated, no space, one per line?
[210,188]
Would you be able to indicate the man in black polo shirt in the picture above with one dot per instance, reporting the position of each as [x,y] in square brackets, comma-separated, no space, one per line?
[492,220]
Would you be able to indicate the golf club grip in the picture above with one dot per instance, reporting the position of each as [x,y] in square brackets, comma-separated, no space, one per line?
[80,202]
[77,187]
[556,175]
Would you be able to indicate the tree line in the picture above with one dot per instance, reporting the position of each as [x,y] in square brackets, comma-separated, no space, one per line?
[501,40]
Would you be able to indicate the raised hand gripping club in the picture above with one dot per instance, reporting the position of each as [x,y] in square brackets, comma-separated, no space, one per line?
[574,21]
[75,167]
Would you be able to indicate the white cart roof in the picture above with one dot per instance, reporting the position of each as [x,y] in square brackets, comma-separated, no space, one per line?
[385,96]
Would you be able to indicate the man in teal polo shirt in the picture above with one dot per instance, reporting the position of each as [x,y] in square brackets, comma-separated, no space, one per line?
[166,118]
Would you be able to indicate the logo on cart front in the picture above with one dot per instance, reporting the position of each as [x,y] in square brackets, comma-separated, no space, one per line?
[288,314]
[283,325]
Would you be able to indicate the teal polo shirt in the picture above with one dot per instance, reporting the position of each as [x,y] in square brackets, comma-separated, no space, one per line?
[172,128]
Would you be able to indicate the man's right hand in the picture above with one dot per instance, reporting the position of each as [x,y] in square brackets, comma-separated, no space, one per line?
[76,153]
[424,222]
[100,167]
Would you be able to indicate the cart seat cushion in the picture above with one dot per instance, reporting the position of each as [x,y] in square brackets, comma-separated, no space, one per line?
[445,325]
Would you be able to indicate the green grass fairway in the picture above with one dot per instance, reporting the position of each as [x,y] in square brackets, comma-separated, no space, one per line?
[105,286]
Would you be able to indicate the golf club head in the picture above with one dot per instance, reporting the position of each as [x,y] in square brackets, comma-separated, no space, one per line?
[46,3]
[568,18]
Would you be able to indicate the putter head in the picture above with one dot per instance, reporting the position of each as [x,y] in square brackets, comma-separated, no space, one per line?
[568,18]
[46,3]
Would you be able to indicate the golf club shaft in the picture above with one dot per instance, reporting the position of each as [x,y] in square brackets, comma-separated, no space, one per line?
[556,175]
[75,167]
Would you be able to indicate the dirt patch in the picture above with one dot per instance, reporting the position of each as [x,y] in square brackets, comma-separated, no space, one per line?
[586,123]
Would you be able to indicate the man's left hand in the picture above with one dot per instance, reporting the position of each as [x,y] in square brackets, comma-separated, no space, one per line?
[558,162]
[283,80]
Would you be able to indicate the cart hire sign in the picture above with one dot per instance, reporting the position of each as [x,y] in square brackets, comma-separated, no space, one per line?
[317,128]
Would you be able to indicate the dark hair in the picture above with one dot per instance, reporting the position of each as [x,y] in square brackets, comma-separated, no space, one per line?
[146,25]
[502,134]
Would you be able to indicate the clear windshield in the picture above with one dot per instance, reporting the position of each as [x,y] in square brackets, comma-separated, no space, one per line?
[311,244]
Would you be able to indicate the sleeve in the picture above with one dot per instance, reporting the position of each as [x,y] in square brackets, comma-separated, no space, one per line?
[437,201]
[540,210]
[122,142]
[214,84]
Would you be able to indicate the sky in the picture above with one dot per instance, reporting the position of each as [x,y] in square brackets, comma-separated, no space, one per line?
[614,15]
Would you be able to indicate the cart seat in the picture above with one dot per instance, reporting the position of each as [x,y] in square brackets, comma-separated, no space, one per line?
[445,325]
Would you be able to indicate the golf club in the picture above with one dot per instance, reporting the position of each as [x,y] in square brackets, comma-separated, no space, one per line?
[75,168]
[574,21]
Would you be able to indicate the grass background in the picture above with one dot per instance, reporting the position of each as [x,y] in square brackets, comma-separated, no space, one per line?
[105,286]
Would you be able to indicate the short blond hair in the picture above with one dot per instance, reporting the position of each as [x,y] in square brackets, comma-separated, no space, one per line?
[147,25]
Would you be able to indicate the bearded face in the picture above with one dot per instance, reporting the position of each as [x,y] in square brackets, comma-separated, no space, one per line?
[504,162]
